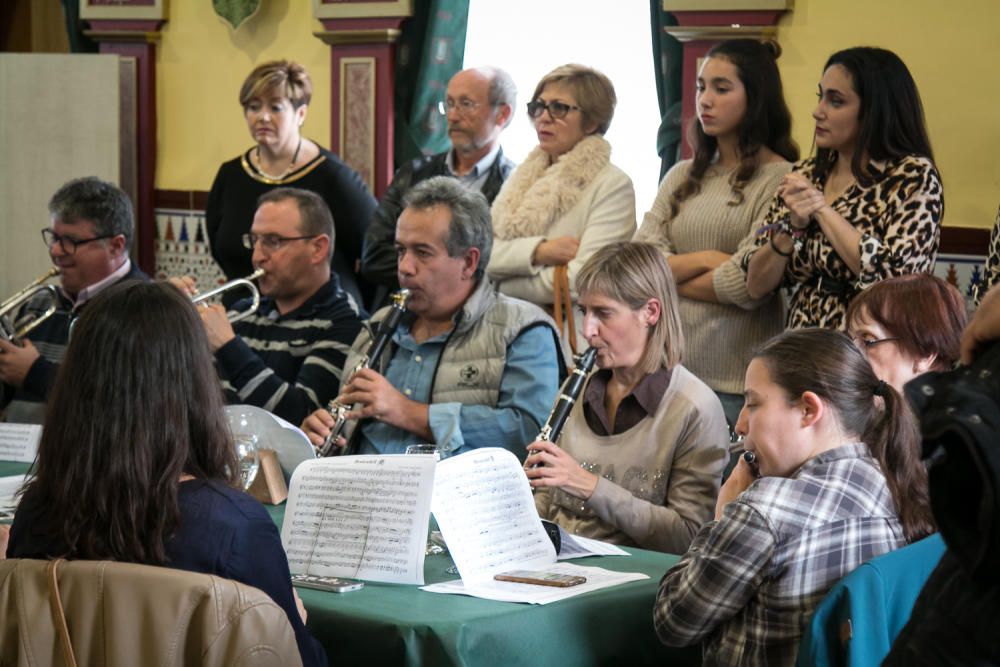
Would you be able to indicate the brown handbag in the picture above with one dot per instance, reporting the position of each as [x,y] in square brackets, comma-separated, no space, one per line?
[562,306]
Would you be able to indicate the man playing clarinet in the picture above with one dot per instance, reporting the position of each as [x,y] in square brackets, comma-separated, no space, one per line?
[466,367]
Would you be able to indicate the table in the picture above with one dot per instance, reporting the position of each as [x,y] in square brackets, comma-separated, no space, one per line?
[392,624]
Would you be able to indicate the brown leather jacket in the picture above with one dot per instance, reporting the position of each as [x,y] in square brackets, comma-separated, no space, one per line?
[122,614]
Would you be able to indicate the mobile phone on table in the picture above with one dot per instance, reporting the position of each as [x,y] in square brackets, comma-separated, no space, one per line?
[331,584]
[541,578]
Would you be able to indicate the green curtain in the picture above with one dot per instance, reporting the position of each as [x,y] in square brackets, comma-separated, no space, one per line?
[667,58]
[430,51]
[78,42]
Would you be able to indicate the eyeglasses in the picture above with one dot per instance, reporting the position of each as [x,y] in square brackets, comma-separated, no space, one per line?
[465,106]
[67,244]
[866,344]
[555,108]
[271,242]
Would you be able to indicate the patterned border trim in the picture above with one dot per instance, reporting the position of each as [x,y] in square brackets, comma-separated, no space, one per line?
[357,115]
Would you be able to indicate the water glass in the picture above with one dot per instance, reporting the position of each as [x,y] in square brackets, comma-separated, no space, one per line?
[249,458]
[424,449]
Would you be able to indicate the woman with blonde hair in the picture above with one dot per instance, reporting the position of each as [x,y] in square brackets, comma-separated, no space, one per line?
[642,452]
[566,199]
[275,98]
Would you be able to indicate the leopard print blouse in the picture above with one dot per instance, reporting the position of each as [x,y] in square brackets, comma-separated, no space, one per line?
[899,217]
[991,276]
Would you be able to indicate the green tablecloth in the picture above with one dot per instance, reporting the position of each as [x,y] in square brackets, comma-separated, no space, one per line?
[391,624]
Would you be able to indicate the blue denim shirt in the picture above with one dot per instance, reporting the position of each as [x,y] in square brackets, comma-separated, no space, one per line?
[527,389]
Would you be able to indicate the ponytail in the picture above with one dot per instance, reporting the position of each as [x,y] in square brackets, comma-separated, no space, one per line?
[893,437]
[828,364]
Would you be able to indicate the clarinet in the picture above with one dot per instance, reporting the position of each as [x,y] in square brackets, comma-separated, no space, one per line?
[375,348]
[568,394]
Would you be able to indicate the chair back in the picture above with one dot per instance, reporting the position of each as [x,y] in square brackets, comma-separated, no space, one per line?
[859,618]
[105,614]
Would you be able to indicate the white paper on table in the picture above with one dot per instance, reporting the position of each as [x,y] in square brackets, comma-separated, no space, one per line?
[362,517]
[486,513]
[9,486]
[509,591]
[575,546]
[19,442]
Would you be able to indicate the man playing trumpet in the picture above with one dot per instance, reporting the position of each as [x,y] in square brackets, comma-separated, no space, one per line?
[468,367]
[89,239]
[287,357]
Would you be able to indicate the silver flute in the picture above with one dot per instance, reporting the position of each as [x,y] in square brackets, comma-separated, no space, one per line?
[379,341]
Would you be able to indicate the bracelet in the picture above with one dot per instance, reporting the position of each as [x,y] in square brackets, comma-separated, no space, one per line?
[785,227]
[778,250]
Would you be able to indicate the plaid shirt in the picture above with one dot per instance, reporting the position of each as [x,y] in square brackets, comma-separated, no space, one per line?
[751,580]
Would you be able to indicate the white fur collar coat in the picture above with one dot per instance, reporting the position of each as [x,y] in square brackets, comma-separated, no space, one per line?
[537,193]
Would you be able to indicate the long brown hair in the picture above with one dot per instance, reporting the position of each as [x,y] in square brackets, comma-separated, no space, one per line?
[828,364]
[136,403]
[766,123]
[891,118]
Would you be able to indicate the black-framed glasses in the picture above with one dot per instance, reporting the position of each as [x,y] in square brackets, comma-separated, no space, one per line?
[68,244]
[555,108]
[868,343]
[463,105]
[271,242]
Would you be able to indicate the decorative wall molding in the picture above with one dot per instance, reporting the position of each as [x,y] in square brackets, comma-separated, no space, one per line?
[359,9]
[357,104]
[123,9]
[130,29]
[362,37]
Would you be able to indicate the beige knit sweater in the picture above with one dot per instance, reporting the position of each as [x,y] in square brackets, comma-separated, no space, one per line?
[718,337]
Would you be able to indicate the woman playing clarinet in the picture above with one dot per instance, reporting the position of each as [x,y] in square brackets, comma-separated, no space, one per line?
[640,457]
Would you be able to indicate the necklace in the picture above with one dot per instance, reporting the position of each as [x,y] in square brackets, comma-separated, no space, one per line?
[288,169]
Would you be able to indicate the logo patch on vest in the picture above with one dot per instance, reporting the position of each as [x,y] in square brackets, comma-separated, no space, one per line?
[469,375]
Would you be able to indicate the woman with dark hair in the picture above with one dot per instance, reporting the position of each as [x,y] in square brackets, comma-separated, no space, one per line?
[706,207]
[275,98]
[136,462]
[867,207]
[840,482]
[642,452]
[907,326]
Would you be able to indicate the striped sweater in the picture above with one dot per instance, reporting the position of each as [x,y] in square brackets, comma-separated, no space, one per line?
[291,364]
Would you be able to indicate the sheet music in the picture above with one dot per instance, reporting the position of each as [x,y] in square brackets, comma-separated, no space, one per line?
[19,442]
[575,546]
[509,591]
[483,505]
[362,517]
[8,487]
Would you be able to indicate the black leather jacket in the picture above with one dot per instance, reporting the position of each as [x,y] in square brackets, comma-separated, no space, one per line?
[378,260]
[956,619]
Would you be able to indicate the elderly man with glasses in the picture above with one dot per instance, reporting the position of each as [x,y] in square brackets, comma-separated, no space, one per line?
[92,226]
[287,357]
[477,106]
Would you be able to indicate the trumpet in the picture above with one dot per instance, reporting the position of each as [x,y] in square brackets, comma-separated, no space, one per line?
[11,328]
[379,341]
[239,283]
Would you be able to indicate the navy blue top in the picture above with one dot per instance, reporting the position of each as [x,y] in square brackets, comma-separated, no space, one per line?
[223,531]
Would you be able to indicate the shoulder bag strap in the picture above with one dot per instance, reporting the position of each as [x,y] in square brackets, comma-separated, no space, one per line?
[58,615]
